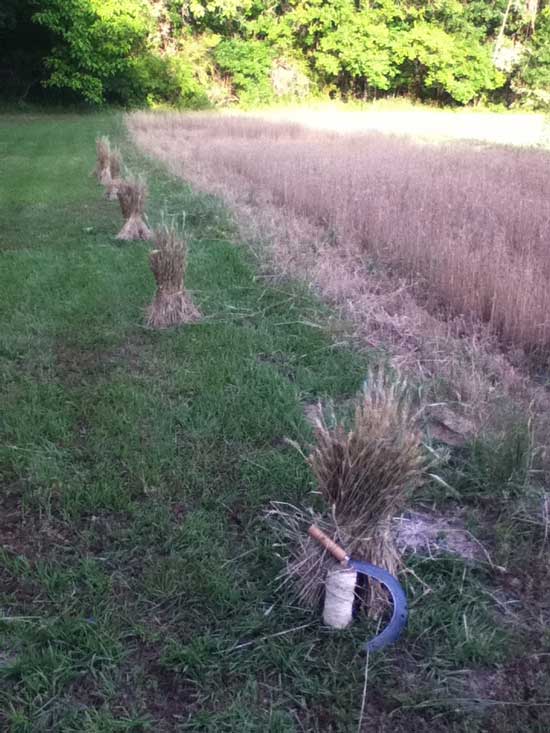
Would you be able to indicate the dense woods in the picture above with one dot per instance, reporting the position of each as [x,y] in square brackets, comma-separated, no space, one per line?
[200,53]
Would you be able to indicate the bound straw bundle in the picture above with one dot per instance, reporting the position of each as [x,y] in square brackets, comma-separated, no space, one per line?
[365,475]
[115,167]
[132,195]
[172,305]
[103,154]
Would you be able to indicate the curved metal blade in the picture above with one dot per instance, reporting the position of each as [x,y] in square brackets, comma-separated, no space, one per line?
[400,614]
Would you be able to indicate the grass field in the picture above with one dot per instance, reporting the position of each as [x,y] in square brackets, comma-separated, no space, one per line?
[137,578]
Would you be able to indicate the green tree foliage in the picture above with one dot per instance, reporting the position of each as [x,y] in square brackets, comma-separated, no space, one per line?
[425,49]
[96,42]
[349,46]
[193,53]
[437,63]
[221,16]
[248,63]
[486,16]
[532,82]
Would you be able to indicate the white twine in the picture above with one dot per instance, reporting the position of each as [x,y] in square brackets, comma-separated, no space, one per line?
[339,597]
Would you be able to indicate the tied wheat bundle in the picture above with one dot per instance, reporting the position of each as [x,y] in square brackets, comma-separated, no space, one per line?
[132,195]
[103,156]
[365,475]
[172,305]
[115,168]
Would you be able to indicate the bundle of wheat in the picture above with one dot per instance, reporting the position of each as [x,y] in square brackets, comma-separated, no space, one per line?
[103,155]
[172,305]
[365,475]
[132,195]
[115,168]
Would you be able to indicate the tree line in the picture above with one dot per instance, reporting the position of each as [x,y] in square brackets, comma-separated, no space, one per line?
[201,53]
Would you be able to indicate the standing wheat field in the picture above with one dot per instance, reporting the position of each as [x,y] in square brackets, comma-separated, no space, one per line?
[468,225]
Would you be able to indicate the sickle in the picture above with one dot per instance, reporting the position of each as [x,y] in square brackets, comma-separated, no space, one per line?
[400,614]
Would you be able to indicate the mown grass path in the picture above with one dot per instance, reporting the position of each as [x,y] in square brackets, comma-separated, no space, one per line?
[135,467]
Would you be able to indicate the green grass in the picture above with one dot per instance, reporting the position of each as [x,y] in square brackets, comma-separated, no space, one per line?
[134,470]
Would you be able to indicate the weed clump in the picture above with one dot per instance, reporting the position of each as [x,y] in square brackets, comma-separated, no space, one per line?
[132,195]
[172,305]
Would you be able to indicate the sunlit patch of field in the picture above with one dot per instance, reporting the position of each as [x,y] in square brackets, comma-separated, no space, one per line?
[430,125]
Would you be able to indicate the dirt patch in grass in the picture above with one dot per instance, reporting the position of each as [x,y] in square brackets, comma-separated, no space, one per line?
[26,539]
[75,365]
[12,521]
[430,534]
[168,698]
[17,532]
[511,698]
[24,534]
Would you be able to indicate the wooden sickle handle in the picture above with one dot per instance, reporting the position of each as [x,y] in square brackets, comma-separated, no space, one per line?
[323,539]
